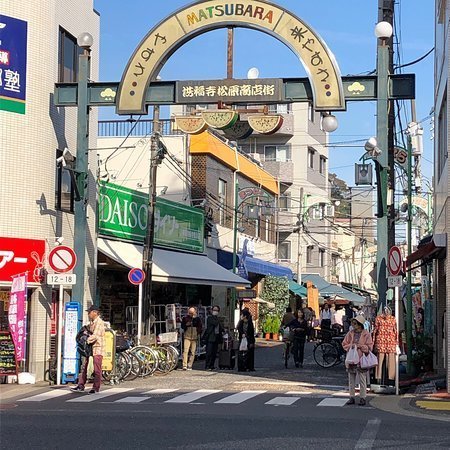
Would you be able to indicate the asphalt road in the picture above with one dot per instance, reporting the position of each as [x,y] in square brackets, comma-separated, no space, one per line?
[270,408]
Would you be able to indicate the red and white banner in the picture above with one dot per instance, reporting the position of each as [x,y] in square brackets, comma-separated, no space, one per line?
[16,314]
[20,256]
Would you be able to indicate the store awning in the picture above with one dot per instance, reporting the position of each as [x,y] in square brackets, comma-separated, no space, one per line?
[327,289]
[428,248]
[297,289]
[171,266]
[255,265]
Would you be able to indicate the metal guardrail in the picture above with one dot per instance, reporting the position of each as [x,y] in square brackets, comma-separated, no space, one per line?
[118,128]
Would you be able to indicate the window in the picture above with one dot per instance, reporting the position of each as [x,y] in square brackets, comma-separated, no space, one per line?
[284,202]
[222,191]
[280,153]
[442,153]
[64,192]
[280,109]
[68,57]
[309,254]
[322,165]
[311,153]
[284,251]
[322,257]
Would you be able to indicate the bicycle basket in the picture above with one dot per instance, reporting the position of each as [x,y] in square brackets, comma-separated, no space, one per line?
[122,343]
[168,338]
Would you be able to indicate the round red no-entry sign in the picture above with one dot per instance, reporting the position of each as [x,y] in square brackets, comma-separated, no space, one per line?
[62,259]
[394,260]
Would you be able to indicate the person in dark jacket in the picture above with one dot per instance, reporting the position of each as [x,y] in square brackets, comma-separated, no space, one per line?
[192,329]
[246,329]
[299,328]
[212,337]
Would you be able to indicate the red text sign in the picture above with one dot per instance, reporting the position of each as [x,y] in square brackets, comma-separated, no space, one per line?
[21,255]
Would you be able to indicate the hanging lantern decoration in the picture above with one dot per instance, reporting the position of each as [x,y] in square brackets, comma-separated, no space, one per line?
[220,119]
[240,130]
[265,124]
[191,124]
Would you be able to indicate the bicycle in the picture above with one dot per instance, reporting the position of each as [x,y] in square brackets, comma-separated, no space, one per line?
[287,347]
[328,354]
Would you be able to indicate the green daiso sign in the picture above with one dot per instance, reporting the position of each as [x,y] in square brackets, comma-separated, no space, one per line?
[123,214]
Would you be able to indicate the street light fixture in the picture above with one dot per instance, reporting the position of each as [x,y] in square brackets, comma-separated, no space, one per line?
[329,123]
[383,30]
[85,40]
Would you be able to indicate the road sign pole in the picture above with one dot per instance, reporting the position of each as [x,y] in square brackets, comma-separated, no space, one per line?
[60,328]
[139,327]
[397,372]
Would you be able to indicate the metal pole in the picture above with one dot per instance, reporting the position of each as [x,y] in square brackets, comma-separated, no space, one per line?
[230,52]
[299,245]
[147,257]
[409,315]
[139,326]
[81,169]
[383,171]
[397,374]
[60,327]
[235,230]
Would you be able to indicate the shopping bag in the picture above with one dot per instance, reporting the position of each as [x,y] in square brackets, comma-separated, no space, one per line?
[368,361]
[352,356]
[243,347]
[286,334]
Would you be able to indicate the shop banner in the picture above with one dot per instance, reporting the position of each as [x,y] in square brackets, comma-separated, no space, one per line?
[20,256]
[13,64]
[123,214]
[16,314]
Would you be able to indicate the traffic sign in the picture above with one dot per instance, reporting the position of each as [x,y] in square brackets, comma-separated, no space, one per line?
[395,281]
[394,260]
[62,259]
[58,278]
[136,276]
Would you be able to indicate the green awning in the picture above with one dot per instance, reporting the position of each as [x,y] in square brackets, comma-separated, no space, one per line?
[297,289]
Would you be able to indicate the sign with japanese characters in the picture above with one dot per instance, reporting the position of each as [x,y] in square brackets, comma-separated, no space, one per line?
[13,64]
[16,314]
[21,255]
[235,91]
[123,215]
[201,17]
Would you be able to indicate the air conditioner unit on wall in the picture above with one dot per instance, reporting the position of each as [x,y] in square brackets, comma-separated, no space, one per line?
[317,213]
[329,211]
[257,156]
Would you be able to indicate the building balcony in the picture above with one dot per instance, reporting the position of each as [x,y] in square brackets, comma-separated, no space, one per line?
[119,128]
[286,221]
[281,170]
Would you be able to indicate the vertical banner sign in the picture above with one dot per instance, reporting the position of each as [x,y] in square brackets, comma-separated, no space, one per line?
[13,64]
[71,328]
[16,314]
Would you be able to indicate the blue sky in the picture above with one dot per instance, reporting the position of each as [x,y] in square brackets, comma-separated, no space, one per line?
[347,26]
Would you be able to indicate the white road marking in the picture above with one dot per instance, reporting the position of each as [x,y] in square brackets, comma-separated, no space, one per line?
[46,395]
[192,396]
[240,397]
[367,438]
[160,391]
[131,400]
[333,402]
[86,398]
[298,393]
[283,401]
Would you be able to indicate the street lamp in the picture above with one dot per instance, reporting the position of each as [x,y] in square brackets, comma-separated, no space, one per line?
[329,123]
[85,41]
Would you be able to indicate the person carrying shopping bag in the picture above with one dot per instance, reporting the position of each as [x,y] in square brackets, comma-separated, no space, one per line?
[356,343]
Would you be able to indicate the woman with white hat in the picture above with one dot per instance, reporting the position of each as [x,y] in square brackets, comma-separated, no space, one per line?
[362,341]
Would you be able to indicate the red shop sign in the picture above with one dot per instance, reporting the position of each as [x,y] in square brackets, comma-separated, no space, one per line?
[21,255]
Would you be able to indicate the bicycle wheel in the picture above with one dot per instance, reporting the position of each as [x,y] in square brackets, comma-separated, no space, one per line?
[135,367]
[164,360]
[326,355]
[148,358]
[173,355]
[123,366]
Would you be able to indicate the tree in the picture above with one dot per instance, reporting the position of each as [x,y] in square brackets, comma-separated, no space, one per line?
[276,291]
[340,192]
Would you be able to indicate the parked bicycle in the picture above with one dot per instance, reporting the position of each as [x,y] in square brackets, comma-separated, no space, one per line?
[329,353]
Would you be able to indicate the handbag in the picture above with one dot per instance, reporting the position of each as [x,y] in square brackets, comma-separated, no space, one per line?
[243,346]
[368,361]
[352,356]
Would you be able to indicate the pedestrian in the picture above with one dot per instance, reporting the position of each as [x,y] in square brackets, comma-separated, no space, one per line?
[246,329]
[212,337]
[325,322]
[192,330]
[287,317]
[97,339]
[339,319]
[299,329]
[360,338]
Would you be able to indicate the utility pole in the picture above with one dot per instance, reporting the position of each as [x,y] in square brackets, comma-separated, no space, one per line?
[230,44]
[147,257]
[299,230]
[81,167]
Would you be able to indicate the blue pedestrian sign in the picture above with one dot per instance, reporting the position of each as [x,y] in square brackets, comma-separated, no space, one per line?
[136,276]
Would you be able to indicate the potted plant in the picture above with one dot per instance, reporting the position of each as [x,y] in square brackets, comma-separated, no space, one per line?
[267,327]
[276,324]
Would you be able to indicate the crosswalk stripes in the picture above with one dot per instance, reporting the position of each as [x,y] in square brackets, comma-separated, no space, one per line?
[136,396]
[240,397]
[192,396]
[83,398]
